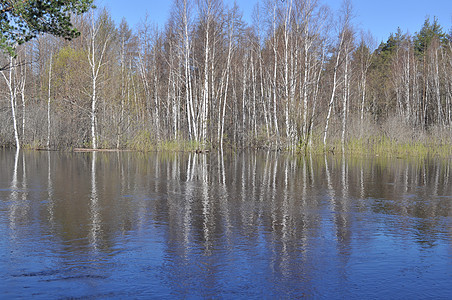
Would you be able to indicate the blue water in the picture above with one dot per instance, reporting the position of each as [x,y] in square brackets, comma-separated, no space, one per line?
[249,226]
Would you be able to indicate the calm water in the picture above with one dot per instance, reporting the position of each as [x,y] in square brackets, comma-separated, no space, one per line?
[129,225]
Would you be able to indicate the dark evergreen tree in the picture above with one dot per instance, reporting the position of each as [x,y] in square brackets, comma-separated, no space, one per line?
[425,36]
[21,21]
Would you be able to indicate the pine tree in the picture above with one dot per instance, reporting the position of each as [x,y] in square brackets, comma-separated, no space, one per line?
[21,21]
[428,32]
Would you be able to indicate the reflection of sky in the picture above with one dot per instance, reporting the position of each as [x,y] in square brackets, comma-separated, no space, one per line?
[246,226]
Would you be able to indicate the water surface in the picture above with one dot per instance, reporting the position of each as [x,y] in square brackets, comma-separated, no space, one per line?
[250,225]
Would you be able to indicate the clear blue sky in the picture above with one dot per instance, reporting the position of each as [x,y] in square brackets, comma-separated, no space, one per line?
[379,17]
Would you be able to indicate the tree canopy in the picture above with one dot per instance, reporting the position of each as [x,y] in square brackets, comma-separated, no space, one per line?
[22,20]
[209,79]
[426,35]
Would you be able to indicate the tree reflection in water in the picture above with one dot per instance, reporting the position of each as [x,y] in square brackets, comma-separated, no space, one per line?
[248,224]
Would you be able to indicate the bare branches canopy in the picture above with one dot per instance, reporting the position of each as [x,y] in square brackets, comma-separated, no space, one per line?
[298,76]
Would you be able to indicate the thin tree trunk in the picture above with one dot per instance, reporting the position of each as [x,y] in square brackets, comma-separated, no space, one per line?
[228,67]
[275,68]
[244,87]
[286,67]
[22,82]
[253,78]
[345,98]
[205,101]
[336,67]
[305,84]
[440,118]
[330,105]
[264,104]
[12,94]
[48,102]
[316,95]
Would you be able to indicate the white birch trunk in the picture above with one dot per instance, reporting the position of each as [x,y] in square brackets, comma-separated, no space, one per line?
[95,63]
[316,94]
[205,102]
[12,97]
[264,102]
[305,81]
[244,87]
[22,82]
[333,93]
[440,118]
[253,77]
[345,98]
[407,85]
[286,67]
[192,130]
[48,102]
[336,67]
[156,100]
[228,67]
[275,68]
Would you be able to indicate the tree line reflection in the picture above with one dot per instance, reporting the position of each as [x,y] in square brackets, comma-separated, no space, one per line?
[265,212]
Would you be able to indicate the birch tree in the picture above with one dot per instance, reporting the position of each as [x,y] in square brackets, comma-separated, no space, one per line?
[343,28]
[312,27]
[8,76]
[96,57]
[21,80]
[208,10]
[272,6]
[49,100]
[231,37]
[182,14]
[348,48]
[287,75]
[364,56]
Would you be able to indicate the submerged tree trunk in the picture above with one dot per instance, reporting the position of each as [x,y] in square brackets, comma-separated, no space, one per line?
[48,102]
[345,97]
[21,82]
[275,69]
[344,30]
[330,105]
[226,84]
[96,61]
[12,96]
[205,91]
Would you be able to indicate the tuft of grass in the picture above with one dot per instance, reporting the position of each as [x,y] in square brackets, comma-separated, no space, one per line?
[179,145]
[380,145]
[387,147]
[142,141]
[34,145]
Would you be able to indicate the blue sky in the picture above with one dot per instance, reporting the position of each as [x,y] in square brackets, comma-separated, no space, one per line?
[380,17]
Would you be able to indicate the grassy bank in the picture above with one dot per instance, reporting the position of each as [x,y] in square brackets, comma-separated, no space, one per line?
[393,138]
[387,147]
[375,146]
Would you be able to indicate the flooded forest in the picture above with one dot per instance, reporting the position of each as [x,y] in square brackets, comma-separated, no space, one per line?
[298,75]
[340,186]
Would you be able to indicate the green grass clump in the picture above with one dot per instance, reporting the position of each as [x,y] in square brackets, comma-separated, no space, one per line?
[384,146]
[142,141]
[380,145]
[180,145]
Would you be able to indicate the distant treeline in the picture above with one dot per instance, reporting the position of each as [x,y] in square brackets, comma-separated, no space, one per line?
[299,76]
